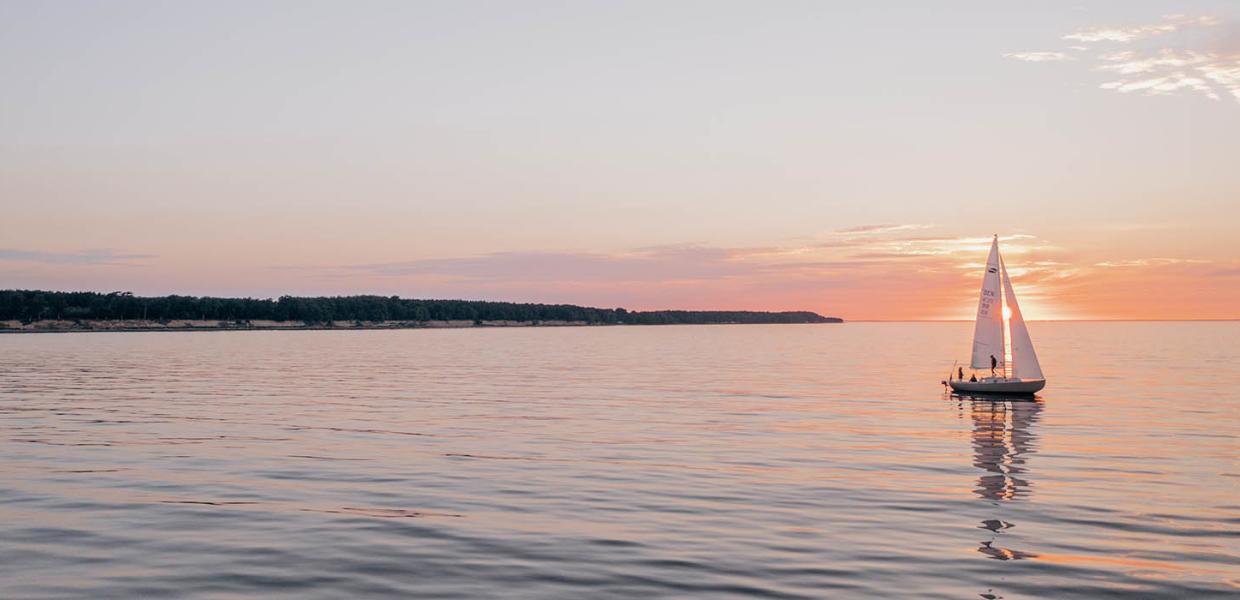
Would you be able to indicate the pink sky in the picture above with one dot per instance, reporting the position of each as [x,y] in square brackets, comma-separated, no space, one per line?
[853,161]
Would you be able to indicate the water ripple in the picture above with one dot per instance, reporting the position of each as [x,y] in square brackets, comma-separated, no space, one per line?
[662,462]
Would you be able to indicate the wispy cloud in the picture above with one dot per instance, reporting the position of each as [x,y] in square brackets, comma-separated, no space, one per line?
[941,246]
[1039,56]
[877,229]
[1225,73]
[1170,24]
[1149,262]
[81,257]
[1170,70]
[1118,34]
[1152,62]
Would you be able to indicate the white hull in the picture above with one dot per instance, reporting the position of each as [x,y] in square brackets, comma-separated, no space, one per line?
[998,385]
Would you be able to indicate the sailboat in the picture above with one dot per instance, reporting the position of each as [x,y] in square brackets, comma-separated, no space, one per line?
[989,351]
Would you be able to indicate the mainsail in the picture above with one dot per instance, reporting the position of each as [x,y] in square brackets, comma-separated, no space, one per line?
[988,332]
[1024,359]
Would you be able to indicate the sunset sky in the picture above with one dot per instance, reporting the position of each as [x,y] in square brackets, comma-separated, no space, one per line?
[851,158]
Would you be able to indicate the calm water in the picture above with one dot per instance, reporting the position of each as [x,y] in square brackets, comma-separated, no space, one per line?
[738,461]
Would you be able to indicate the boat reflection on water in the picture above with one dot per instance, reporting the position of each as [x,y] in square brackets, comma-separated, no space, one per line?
[1004,438]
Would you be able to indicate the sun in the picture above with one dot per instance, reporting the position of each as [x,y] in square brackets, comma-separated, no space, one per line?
[1007,313]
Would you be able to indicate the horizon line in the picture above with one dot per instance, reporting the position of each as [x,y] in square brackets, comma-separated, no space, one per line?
[1226,320]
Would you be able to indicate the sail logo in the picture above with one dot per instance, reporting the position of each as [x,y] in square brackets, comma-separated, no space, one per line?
[992,270]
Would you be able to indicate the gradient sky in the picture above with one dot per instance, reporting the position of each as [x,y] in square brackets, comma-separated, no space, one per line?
[851,158]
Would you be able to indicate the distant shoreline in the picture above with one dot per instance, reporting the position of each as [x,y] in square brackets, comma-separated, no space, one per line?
[41,310]
[139,325]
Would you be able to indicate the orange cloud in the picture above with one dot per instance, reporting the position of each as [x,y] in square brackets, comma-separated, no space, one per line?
[873,272]
[884,272]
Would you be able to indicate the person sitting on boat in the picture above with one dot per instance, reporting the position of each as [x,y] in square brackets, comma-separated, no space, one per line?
[993,363]
[973,378]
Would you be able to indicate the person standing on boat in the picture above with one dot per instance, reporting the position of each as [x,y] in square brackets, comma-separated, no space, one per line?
[960,373]
[993,363]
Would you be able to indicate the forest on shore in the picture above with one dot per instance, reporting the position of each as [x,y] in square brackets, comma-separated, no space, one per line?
[29,306]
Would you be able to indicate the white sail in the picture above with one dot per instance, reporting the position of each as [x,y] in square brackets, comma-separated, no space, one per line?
[1024,359]
[988,332]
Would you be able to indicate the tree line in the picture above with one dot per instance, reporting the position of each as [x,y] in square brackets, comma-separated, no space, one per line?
[34,305]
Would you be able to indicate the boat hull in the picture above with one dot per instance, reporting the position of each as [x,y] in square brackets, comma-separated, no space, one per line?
[1008,387]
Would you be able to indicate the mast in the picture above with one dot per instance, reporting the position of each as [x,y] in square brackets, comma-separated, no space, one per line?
[1003,303]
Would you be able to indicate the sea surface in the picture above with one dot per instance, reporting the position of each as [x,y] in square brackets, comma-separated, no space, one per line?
[781,461]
